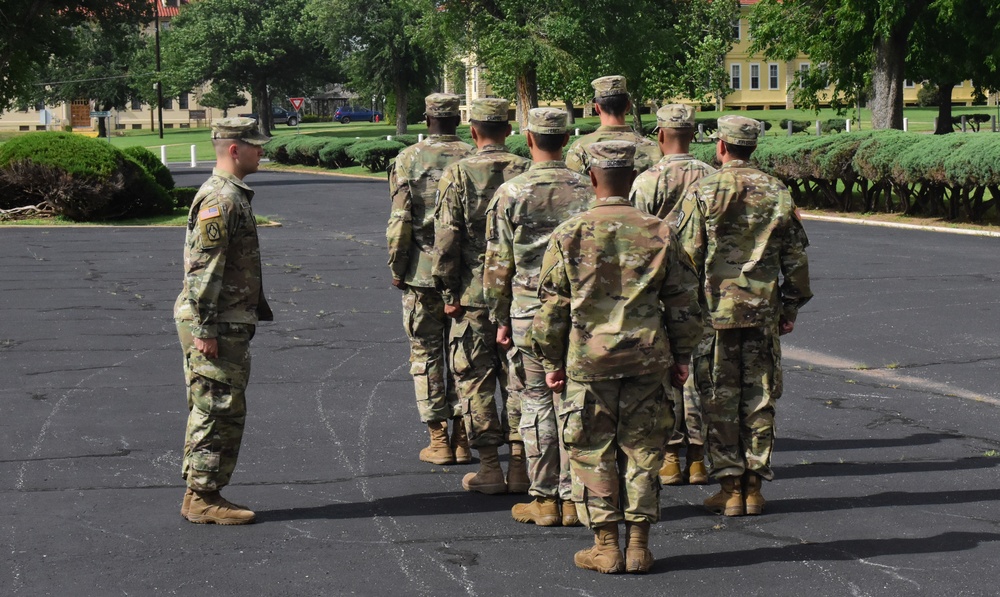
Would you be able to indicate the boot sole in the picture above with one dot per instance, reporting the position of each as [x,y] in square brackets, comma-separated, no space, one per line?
[545,521]
[518,488]
[617,569]
[675,480]
[464,460]
[754,510]
[698,481]
[731,511]
[438,460]
[493,489]
[221,521]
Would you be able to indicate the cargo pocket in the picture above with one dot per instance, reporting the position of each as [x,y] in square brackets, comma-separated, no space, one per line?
[409,304]
[460,361]
[529,434]
[569,409]
[205,462]
[515,373]
[778,382]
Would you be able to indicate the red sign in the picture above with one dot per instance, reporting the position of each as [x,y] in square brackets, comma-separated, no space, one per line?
[297,102]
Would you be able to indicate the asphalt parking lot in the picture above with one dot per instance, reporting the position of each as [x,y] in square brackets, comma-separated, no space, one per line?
[887,463]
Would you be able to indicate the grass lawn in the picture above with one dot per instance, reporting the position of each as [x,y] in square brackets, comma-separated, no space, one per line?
[177,218]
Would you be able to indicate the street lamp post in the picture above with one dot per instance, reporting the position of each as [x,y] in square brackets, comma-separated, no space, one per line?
[159,83]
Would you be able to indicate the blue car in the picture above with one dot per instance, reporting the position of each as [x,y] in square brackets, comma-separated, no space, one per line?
[346,114]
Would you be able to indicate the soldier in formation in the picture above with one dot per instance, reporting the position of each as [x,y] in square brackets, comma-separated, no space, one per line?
[612,104]
[522,215]
[742,232]
[656,192]
[479,365]
[413,184]
[619,310]
[216,315]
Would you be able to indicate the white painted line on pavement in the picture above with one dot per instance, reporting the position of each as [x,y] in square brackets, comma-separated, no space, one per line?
[881,224]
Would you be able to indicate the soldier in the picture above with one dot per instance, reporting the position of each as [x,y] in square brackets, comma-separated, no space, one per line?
[612,104]
[410,236]
[522,215]
[466,189]
[619,310]
[656,191]
[216,315]
[740,228]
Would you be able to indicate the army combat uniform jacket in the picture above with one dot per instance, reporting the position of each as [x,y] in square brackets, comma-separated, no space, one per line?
[647,152]
[740,228]
[618,297]
[657,190]
[222,272]
[413,185]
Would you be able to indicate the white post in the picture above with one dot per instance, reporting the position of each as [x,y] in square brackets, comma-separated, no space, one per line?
[420,137]
[701,133]
[964,123]
[789,128]
[388,137]
[194,156]
[577,132]
[819,129]
[163,154]
[935,123]
[906,124]
[848,124]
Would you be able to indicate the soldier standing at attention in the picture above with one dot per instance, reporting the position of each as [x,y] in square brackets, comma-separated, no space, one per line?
[656,191]
[612,104]
[522,215]
[466,189]
[740,228]
[413,185]
[216,315]
[619,311]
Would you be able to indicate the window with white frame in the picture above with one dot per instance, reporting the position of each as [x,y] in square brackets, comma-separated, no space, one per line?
[908,84]
[736,30]
[734,76]
[772,76]
[755,76]
[803,71]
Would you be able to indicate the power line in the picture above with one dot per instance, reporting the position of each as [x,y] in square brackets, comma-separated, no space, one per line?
[97,79]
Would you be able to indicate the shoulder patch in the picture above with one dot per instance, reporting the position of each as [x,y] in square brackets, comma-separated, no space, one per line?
[211,212]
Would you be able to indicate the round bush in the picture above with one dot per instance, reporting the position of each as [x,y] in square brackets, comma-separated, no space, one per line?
[183,196]
[334,153]
[151,164]
[375,155]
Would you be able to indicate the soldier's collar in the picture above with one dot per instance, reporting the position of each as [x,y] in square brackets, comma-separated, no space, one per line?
[601,201]
[618,128]
[674,157]
[548,164]
[493,147]
[229,177]
[736,164]
[443,138]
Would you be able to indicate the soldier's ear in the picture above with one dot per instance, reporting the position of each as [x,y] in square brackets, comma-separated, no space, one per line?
[565,139]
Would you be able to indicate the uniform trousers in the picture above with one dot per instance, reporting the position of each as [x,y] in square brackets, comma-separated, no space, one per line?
[427,328]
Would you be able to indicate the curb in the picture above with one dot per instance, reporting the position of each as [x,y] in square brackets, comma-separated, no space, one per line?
[901,226]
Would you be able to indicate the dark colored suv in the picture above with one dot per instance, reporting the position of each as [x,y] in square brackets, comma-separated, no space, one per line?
[278,116]
[346,114]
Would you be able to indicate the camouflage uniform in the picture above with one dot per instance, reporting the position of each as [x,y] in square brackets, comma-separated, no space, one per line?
[466,189]
[616,340]
[413,186]
[656,192]
[740,228]
[223,299]
[520,219]
[647,152]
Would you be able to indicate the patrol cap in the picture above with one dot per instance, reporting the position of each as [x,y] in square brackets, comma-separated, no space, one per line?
[738,130]
[611,154]
[547,121]
[240,129]
[675,116]
[493,109]
[441,105]
[609,86]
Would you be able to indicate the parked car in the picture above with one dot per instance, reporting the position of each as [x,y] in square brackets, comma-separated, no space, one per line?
[278,116]
[345,114]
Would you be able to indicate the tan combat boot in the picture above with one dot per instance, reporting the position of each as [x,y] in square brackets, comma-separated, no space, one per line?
[438,451]
[543,511]
[729,500]
[489,478]
[638,558]
[186,504]
[604,556]
[670,473]
[569,515]
[210,507]
[752,483]
[517,470]
[460,442]
[695,472]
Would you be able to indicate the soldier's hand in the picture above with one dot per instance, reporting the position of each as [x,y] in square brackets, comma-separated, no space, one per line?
[207,346]
[503,337]
[556,380]
[454,311]
[785,326]
[678,375]
[399,284]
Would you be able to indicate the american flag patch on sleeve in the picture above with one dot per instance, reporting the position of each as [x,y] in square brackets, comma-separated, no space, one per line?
[211,212]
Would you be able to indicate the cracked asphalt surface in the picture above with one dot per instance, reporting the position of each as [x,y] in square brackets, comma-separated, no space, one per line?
[886,466]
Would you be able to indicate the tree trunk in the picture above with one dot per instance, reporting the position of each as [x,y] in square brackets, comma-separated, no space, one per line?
[944,109]
[262,106]
[402,101]
[569,110]
[887,81]
[527,96]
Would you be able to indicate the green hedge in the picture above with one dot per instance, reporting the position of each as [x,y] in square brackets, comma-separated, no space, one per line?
[183,196]
[334,153]
[151,164]
[304,149]
[376,154]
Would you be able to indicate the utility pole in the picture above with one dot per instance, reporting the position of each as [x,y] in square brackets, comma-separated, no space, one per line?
[159,83]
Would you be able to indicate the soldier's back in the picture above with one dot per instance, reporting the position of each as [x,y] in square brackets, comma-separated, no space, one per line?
[646,155]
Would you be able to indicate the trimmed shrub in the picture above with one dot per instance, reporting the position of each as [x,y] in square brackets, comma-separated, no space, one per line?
[183,196]
[334,153]
[585,127]
[375,155]
[798,126]
[709,125]
[305,149]
[518,145]
[276,149]
[151,164]
[406,139]
[833,125]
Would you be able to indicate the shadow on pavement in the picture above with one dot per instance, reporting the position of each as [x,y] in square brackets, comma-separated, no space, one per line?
[918,439]
[855,469]
[426,504]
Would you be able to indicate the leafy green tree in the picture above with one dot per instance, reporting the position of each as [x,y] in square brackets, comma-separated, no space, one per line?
[35,31]
[246,45]
[382,47]
[223,95]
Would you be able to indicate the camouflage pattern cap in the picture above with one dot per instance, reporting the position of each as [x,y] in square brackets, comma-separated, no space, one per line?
[492,109]
[240,129]
[441,105]
[547,121]
[611,154]
[675,116]
[738,130]
[609,86]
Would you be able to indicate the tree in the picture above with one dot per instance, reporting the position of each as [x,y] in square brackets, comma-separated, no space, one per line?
[35,31]
[246,45]
[382,47]
[853,43]
[223,95]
